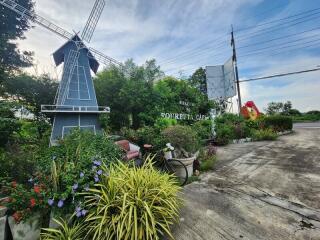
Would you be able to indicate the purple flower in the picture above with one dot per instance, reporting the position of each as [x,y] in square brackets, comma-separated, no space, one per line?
[60,203]
[81,174]
[83,212]
[87,187]
[78,209]
[96,178]
[50,202]
[99,172]
[75,186]
[78,214]
[97,163]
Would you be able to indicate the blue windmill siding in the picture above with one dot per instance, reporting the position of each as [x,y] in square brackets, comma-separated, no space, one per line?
[76,91]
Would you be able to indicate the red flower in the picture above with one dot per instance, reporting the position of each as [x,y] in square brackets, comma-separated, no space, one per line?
[14,184]
[37,189]
[17,216]
[32,202]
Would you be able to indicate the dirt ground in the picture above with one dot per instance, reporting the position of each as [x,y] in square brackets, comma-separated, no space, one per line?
[260,190]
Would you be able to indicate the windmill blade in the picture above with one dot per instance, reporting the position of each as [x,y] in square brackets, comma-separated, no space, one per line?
[93,20]
[102,58]
[26,14]
[68,70]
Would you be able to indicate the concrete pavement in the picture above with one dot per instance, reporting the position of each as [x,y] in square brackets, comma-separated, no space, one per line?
[259,190]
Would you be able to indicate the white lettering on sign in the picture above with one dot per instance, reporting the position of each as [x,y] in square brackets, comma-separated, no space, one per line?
[185,116]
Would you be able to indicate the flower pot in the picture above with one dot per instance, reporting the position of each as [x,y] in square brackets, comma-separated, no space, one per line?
[28,230]
[188,162]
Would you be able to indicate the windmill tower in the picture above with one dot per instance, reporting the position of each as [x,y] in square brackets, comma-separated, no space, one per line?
[75,104]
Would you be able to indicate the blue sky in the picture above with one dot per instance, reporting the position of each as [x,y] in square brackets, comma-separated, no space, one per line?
[183,35]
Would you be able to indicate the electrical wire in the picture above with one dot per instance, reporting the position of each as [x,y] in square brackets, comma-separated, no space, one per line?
[279,75]
[276,20]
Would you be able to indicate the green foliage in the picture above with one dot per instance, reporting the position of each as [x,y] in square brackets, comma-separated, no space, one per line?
[264,134]
[31,91]
[163,123]
[25,200]
[274,108]
[310,116]
[203,129]
[278,123]
[8,122]
[224,133]
[128,91]
[182,138]
[132,203]
[17,162]
[208,164]
[198,80]
[76,162]
[231,126]
[66,231]
[12,29]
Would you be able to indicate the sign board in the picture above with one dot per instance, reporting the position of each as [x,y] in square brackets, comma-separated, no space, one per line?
[221,81]
[184,116]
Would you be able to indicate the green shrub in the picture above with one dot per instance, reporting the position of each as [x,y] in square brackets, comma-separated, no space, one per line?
[65,231]
[264,134]
[132,203]
[278,123]
[203,128]
[163,123]
[208,163]
[224,133]
[182,137]
[73,166]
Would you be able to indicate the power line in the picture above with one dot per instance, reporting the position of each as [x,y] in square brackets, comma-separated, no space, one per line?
[273,49]
[272,53]
[280,75]
[192,51]
[260,32]
[278,38]
[263,31]
[276,20]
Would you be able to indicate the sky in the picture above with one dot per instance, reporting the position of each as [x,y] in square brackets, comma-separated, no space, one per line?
[182,35]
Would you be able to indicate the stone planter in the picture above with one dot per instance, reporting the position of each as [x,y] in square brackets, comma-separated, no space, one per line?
[28,230]
[188,162]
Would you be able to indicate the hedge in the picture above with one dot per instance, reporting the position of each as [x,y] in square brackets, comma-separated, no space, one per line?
[278,123]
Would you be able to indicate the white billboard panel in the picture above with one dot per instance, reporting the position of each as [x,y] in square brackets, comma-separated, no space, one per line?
[221,81]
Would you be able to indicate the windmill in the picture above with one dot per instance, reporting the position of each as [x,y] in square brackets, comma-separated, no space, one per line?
[75,104]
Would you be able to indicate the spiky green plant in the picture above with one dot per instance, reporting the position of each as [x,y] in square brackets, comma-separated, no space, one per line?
[132,203]
[65,231]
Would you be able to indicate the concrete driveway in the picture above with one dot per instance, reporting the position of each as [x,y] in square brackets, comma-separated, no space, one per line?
[261,190]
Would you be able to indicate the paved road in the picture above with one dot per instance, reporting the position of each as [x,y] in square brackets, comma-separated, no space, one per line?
[306,125]
[258,191]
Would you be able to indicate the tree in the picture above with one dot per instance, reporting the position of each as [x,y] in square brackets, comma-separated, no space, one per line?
[128,91]
[274,108]
[8,122]
[12,28]
[198,80]
[279,108]
[30,91]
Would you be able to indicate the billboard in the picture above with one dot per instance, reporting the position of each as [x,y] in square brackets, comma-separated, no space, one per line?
[221,81]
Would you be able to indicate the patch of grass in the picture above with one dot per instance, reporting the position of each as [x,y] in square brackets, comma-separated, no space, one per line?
[207,164]
[264,134]
[192,179]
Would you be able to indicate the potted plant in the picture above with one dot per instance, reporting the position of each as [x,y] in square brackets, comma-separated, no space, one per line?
[185,142]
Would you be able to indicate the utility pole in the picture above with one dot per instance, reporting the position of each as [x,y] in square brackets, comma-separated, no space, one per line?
[234,58]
